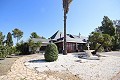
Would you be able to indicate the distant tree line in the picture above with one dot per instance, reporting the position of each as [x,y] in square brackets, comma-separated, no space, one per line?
[7,48]
[106,37]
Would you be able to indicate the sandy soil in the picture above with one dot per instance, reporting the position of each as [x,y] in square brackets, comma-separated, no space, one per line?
[63,75]
[6,64]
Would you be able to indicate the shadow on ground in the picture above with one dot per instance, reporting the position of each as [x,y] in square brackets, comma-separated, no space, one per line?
[37,61]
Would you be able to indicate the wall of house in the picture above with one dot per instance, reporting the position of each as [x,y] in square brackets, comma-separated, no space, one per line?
[71,47]
[60,47]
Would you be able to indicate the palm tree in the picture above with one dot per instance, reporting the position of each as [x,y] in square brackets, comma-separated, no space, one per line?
[66,4]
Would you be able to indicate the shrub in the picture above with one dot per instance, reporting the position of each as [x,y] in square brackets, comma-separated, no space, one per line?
[3,51]
[51,53]
[22,49]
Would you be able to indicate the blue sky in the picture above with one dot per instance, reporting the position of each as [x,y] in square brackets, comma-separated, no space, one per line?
[46,16]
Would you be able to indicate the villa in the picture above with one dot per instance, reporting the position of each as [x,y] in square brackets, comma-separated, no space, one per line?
[74,43]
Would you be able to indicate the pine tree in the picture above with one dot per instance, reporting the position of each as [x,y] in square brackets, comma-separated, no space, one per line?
[17,34]
[9,41]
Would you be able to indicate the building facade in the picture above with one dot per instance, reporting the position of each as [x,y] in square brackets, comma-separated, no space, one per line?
[74,43]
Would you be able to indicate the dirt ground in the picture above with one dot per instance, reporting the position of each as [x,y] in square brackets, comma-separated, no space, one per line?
[63,75]
[6,64]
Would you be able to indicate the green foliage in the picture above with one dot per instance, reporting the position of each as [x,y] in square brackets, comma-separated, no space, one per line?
[17,34]
[107,26]
[11,50]
[1,38]
[108,40]
[34,35]
[101,49]
[3,51]
[116,40]
[51,53]
[108,34]
[9,41]
[34,46]
[98,38]
[22,48]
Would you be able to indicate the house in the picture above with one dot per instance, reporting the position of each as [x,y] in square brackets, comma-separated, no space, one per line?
[74,43]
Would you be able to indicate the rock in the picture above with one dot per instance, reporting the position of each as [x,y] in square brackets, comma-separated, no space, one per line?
[90,56]
[93,58]
[88,53]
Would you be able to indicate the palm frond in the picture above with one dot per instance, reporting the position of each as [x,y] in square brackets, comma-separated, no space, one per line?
[66,4]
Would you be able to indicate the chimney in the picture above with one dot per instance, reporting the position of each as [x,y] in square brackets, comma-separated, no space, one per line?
[60,34]
[79,35]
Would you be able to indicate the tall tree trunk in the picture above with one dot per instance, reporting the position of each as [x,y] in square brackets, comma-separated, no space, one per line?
[94,52]
[65,49]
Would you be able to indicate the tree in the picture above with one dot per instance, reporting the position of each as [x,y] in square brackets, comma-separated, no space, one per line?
[22,48]
[1,38]
[104,40]
[66,4]
[9,41]
[116,40]
[94,38]
[17,34]
[3,52]
[34,35]
[107,26]
[34,46]
[111,28]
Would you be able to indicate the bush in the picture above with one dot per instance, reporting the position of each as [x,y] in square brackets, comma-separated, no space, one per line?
[51,53]
[3,51]
[22,49]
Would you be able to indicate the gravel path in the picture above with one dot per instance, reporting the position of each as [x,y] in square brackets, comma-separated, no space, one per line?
[20,72]
[104,69]
[114,53]
[67,67]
